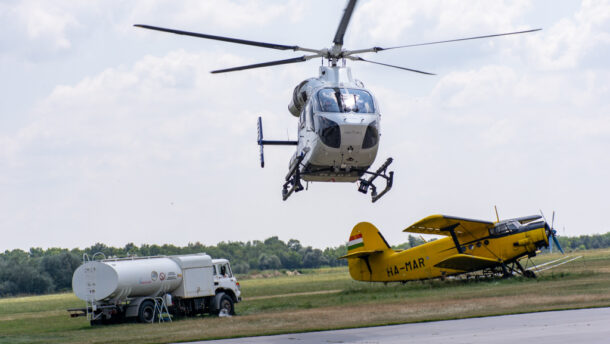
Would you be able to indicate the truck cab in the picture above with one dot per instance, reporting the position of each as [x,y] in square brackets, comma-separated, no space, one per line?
[224,280]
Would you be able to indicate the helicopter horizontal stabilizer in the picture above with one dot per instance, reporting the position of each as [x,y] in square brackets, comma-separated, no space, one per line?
[259,126]
[262,142]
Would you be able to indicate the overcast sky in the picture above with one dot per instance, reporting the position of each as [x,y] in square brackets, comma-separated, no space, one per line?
[114,134]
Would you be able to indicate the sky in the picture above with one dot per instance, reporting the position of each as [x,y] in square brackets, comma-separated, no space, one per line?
[114,134]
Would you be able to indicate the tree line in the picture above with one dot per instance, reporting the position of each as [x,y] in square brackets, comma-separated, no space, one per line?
[40,271]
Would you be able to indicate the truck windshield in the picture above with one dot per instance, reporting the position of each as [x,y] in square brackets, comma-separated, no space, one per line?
[345,100]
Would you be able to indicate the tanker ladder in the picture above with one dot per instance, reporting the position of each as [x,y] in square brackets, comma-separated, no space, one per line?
[160,310]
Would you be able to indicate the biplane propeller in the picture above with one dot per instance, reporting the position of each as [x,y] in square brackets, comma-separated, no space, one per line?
[552,233]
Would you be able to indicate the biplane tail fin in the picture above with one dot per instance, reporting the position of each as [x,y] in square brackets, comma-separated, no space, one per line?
[365,240]
[365,244]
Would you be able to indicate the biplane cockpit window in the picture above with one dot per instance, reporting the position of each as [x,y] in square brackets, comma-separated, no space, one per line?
[499,229]
[505,228]
[513,226]
[345,100]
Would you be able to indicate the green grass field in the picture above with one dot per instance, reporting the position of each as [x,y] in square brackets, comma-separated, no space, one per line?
[324,299]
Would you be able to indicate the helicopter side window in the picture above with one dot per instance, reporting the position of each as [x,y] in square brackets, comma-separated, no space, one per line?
[345,100]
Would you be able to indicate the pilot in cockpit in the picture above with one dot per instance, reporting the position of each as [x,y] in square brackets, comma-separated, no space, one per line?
[328,102]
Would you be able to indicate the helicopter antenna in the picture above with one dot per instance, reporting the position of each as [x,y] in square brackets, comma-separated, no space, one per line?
[497,216]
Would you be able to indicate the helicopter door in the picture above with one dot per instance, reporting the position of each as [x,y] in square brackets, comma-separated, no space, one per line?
[302,119]
[309,117]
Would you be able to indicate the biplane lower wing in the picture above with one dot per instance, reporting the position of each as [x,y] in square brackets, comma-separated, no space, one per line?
[464,262]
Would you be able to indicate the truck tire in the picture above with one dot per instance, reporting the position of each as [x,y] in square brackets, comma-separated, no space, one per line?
[146,313]
[225,303]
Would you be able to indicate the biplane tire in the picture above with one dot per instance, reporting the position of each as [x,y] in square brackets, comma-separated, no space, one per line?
[529,274]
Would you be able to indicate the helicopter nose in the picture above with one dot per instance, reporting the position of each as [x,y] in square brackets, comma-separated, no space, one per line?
[352,136]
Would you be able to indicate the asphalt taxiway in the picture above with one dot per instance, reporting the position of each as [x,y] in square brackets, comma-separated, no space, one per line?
[583,326]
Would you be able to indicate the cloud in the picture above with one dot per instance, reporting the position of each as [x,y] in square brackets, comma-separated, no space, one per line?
[37,25]
[568,42]
[222,15]
[390,23]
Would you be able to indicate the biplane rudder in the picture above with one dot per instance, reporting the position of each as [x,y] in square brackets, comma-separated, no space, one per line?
[365,237]
[365,243]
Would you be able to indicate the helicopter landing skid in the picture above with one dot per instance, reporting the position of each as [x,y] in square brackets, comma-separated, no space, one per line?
[293,179]
[365,184]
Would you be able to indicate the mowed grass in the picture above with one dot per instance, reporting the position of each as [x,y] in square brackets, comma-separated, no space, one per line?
[325,299]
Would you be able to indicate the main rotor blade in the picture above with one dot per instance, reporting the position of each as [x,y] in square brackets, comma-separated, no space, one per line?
[358,58]
[347,14]
[456,40]
[226,39]
[266,64]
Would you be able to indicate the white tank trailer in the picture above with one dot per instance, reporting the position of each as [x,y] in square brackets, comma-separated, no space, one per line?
[144,288]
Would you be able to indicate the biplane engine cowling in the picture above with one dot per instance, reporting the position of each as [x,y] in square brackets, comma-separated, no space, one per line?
[301,95]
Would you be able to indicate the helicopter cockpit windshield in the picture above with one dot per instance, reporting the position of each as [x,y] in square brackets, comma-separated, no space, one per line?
[345,100]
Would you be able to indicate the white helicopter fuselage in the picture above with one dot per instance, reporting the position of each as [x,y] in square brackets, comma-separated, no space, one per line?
[338,127]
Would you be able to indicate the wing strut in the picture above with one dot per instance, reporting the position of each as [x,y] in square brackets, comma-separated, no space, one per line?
[451,229]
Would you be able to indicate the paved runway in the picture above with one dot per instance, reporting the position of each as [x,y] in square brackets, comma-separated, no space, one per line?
[583,326]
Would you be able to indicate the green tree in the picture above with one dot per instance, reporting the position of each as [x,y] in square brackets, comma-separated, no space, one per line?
[60,269]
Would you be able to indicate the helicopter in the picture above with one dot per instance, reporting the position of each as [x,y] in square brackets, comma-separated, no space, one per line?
[339,118]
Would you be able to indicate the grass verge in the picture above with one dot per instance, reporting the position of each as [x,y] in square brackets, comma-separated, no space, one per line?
[325,299]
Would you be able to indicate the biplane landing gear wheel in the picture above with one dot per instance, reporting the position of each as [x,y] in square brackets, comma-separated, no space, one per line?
[529,274]
[505,272]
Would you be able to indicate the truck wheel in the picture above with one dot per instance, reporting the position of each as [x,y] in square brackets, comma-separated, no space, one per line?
[226,305]
[146,312]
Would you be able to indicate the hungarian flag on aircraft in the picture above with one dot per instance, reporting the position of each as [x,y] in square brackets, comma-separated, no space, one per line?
[355,241]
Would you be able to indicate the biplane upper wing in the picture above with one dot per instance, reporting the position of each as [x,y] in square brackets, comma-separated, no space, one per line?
[466,262]
[443,225]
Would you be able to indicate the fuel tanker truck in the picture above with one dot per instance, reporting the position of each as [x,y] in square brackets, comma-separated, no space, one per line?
[147,289]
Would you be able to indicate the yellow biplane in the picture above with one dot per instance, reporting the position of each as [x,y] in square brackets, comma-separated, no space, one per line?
[470,245]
